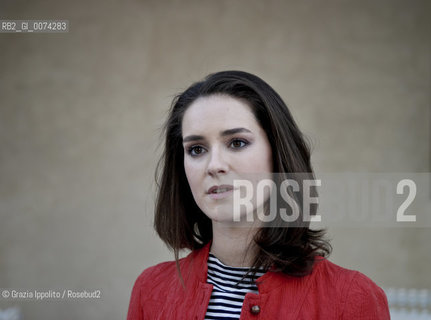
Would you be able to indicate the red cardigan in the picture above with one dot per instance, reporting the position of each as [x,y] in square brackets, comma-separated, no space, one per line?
[329,292]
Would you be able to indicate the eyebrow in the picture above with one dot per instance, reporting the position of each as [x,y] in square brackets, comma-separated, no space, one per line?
[224,133]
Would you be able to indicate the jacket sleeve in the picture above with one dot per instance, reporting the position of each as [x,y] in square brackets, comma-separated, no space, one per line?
[135,308]
[365,300]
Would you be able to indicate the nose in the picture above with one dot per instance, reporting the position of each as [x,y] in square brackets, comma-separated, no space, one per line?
[217,163]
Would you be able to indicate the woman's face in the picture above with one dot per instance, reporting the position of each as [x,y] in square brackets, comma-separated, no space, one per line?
[222,142]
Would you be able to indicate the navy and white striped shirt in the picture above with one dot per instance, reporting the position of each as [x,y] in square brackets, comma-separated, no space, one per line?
[229,289]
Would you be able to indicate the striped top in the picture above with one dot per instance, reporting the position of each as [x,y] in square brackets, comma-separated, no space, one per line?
[229,289]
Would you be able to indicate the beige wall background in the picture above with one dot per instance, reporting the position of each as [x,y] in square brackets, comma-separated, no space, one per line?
[80,114]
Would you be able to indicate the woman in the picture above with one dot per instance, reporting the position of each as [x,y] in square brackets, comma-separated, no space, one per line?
[231,127]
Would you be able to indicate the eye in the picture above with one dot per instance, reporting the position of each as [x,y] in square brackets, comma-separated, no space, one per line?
[238,143]
[195,150]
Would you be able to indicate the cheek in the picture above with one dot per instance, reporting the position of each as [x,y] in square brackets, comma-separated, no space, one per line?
[191,174]
[261,160]
[266,162]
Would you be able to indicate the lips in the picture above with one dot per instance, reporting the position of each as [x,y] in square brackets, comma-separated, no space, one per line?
[220,189]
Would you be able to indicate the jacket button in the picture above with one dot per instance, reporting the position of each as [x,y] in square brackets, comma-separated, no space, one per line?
[255,309]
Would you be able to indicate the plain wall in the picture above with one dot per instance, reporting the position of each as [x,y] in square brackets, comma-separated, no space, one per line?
[80,114]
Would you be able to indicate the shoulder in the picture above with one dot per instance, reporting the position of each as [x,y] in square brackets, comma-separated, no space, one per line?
[149,288]
[366,298]
[156,274]
[327,271]
[164,274]
[359,296]
[158,278]
[149,281]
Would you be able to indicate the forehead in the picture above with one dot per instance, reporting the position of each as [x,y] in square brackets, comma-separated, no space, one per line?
[218,112]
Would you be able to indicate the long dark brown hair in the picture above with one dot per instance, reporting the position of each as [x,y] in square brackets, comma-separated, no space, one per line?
[179,221]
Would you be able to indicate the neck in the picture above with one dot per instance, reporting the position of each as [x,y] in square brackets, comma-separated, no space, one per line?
[233,246]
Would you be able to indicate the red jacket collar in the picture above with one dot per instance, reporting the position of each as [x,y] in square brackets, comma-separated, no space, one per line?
[197,260]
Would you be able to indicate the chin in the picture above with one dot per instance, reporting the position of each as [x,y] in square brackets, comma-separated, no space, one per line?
[220,216]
